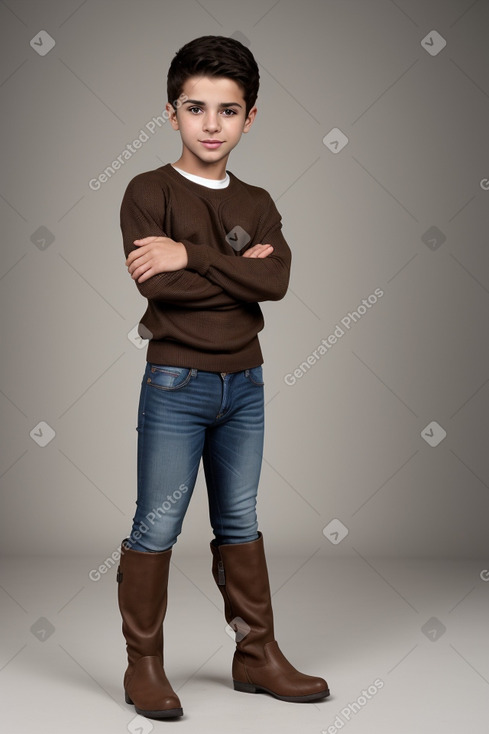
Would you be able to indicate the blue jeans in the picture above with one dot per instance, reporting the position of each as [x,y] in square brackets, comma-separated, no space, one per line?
[185,415]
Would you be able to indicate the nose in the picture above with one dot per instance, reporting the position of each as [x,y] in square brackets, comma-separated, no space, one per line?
[211,122]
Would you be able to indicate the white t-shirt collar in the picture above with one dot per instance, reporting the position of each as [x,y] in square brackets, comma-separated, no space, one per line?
[211,183]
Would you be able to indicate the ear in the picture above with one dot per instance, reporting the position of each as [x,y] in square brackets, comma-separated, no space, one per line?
[249,119]
[172,116]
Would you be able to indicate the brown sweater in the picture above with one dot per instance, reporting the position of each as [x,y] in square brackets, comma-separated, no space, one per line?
[206,316]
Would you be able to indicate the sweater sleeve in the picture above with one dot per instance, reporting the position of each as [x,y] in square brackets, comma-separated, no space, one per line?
[141,215]
[248,279]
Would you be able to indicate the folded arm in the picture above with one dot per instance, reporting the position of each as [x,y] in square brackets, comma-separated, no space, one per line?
[141,216]
[197,274]
[260,277]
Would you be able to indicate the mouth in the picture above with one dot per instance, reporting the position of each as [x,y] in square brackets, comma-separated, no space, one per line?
[211,144]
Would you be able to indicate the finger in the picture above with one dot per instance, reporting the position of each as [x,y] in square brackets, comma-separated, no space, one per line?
[144,251]
[259,251]
[134,255]
[143,261]
[142,273]
[253,251]
[265,251]
[133,262]
[145,276]
[145,240]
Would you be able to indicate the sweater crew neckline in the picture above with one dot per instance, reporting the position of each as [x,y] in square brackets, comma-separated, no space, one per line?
[200,189]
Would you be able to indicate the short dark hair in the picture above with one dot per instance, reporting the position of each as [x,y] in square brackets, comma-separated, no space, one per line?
[214,56]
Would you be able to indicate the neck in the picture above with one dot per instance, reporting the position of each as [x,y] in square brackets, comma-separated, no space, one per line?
[192,164]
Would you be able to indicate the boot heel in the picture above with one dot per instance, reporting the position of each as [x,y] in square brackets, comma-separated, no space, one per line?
[244,687]
[128,698]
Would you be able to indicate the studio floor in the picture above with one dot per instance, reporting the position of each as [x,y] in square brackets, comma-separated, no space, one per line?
[404,645]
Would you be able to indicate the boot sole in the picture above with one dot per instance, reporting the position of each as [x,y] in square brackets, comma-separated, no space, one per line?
[251,688]
[163,714]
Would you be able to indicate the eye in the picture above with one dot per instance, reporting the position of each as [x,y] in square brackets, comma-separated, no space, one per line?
[194,110]
[228,112]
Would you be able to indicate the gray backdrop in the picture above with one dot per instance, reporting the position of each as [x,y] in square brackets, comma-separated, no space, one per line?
[376,362]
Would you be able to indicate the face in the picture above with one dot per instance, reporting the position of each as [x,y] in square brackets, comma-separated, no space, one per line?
[210,123]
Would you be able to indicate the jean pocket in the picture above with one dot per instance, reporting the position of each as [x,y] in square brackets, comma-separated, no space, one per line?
[165,377]
[255,375]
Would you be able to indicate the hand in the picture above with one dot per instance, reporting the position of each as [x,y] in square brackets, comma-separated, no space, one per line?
[259,251]
[155,255]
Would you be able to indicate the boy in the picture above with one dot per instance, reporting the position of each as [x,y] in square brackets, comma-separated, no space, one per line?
[192,233]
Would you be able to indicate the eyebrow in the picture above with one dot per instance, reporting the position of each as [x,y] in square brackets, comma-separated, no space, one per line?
[222,104]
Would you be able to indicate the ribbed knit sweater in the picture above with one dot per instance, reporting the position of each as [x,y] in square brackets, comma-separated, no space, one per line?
[207,315]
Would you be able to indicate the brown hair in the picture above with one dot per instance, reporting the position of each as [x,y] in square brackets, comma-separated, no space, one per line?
[214,56]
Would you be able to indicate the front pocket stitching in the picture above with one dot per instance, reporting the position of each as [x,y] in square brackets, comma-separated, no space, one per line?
[254,382]
[173,387]
[164,371]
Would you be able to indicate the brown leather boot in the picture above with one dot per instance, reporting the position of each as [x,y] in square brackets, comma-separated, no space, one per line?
[240,571]
[142,592]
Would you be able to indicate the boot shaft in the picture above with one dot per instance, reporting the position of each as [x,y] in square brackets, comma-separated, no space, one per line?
[240,572]
[142,595]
